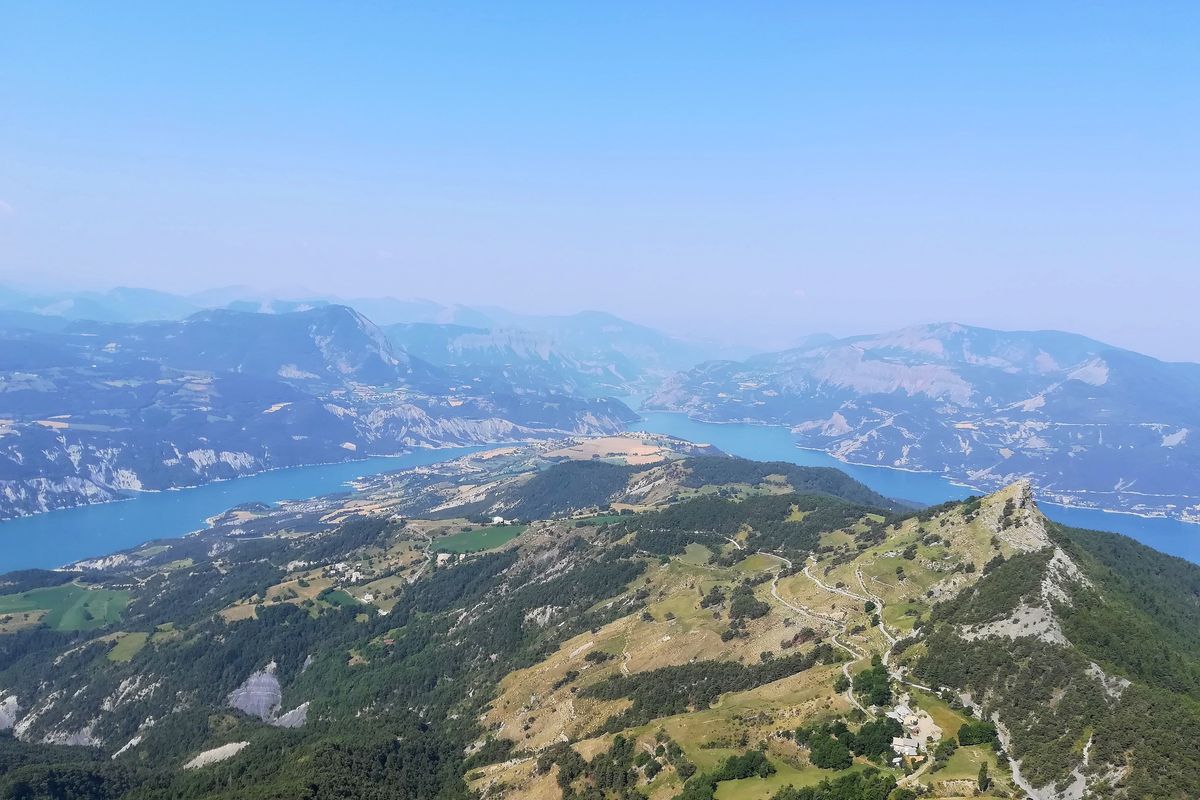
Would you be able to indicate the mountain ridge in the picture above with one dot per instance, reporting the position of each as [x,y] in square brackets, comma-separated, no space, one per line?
[100,409]
[981,406]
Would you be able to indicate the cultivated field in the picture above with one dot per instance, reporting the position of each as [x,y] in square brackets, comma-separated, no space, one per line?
[70,607]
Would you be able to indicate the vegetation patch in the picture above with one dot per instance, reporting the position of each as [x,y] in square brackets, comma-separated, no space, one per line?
[128,645]
[70,607]
[477,540]
[675,690]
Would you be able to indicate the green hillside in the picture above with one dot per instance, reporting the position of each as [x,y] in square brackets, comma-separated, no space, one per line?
[730,630]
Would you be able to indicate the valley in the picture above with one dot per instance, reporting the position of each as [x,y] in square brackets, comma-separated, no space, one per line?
[593,401]
[92,412]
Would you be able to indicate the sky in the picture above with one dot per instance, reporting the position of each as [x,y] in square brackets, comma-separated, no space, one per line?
[746,171]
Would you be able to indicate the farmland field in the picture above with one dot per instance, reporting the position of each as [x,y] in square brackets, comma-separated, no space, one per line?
[338,597]
[70,607]
[944,717]
[477,539]
[964,764]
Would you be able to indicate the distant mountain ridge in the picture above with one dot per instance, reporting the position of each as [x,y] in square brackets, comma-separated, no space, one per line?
[98,409]
[331,343]
[512,356]
[592,352]
[1093,424]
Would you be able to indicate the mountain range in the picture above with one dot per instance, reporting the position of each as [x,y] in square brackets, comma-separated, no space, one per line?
[1090,424]
[96,409]
[591,352]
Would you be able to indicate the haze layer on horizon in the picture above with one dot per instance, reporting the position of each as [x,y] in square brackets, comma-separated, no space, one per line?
[751,174]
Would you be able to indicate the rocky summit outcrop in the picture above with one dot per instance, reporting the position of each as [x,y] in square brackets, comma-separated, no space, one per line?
[1053,644]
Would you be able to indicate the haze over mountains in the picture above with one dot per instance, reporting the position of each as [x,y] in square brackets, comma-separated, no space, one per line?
[1092,425]
[593,352]
[97,409]
[589,401]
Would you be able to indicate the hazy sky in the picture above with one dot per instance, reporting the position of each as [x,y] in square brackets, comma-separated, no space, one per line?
[753,170]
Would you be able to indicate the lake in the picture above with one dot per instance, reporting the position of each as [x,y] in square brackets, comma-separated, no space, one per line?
[60,537]
[775,443]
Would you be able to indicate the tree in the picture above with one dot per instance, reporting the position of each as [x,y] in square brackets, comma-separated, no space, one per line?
[827,752]
[874,683]
[874,738]
[941,754]
[976,733]
[984,780]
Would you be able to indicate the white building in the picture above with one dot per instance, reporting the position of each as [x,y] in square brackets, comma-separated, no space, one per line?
[905,746]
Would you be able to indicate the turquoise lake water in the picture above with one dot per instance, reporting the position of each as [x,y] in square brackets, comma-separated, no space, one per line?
[775,443]
[60,537]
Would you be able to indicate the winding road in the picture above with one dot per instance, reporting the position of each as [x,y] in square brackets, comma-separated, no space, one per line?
[856,655]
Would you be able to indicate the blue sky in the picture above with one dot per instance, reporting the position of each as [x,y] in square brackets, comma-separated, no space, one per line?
[756,171]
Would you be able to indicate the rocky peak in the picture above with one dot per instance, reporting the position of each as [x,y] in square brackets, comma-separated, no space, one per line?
[1013,515]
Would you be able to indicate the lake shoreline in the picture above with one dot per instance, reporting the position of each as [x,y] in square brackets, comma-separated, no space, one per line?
[61,537]
[941,475]
[65,536]
[134,494]
[764,442]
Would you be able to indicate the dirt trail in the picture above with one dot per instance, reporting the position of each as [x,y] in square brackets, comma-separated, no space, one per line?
[909,780]
[854,654]
[834,589]
[625,656]
[878,601]
[840,627]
